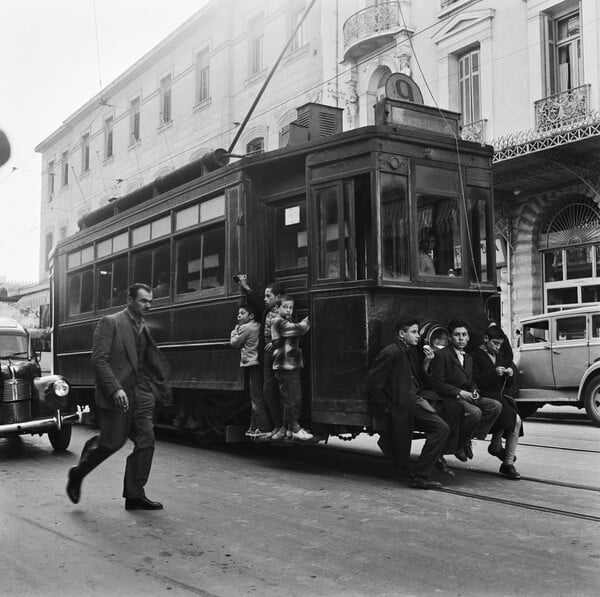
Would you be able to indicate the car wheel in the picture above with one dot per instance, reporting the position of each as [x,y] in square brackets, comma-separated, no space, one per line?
[526,409]
[60,438]
[591,400]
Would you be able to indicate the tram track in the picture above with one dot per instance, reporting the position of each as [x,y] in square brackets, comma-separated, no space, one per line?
[352,461]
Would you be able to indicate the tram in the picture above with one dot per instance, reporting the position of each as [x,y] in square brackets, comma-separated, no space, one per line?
[360,226]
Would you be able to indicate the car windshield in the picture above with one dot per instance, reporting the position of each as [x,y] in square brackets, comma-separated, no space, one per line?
[12,345]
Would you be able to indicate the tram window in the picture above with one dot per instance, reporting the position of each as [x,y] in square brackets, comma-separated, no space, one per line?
[481,266]
[394,227]
[153,267]
[361,189]
[112,284]
[439,236]
[201,261]
[536,332]
[80,292]
[328,217]
[291,250]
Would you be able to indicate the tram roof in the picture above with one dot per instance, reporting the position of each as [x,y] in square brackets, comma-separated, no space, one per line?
[299,151]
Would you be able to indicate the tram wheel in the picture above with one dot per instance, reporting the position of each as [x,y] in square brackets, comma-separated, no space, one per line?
[591,400]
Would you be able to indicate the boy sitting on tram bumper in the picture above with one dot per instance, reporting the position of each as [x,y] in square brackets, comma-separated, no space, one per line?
[393,385]
[494,373]
[452,376]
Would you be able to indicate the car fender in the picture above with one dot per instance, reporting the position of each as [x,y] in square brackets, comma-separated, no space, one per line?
[591,371]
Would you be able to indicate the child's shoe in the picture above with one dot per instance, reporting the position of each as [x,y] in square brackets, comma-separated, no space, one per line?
[302,435]
[279,433]
[250,433]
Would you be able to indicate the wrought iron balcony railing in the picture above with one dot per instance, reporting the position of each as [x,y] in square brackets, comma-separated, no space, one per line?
[370,28]
[474,131]
[556,111]
[559,119]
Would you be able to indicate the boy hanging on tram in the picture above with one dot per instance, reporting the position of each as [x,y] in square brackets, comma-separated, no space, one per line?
[287,362]
[270,386]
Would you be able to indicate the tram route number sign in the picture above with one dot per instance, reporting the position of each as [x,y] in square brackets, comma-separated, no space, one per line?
[402,88]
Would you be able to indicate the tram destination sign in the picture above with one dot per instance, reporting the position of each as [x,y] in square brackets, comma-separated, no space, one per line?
[416,116]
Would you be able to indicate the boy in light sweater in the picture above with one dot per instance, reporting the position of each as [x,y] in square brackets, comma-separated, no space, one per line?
[245,336]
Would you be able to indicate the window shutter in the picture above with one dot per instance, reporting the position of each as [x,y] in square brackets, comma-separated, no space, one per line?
[548,54]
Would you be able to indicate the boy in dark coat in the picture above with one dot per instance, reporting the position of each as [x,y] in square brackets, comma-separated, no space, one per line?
[393,385]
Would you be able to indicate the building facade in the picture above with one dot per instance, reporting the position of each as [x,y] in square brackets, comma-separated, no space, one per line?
[524,74]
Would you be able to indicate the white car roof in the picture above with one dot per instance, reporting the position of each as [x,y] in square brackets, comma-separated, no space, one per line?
[592,308]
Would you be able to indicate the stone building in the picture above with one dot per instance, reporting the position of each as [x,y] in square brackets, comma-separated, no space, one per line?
[524,74]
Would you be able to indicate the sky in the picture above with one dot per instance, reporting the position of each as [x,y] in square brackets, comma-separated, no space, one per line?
[54,56]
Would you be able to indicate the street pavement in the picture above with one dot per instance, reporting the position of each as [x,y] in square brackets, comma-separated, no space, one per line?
[299,521]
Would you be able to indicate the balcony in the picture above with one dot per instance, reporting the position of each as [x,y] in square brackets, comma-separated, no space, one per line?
[474,131]
[370,29]
[560,119]
[562,109]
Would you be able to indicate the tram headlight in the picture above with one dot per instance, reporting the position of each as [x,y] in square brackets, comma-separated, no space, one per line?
[61,388]
[439,338]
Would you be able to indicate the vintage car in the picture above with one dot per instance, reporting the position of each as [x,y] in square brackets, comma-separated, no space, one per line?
[29,403]
[559,360]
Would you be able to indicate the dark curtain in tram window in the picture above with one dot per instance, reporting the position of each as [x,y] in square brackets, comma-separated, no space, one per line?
[74,294]
[120,283]
[161,272]
[104,285]
[87,291]
[480,259]
[394,227]
[142,267]
[362,223]
[328,217]
[213,259]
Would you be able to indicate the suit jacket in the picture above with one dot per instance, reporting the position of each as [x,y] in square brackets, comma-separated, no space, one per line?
[391,387]
[448,376]
[115,361]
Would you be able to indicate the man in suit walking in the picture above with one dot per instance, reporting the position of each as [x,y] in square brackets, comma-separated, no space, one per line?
[130,377]
[452,377]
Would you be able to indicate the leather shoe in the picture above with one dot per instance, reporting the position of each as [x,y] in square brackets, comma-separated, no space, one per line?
[461,455]
[443,467]
[508,470]
[142,503]
[419,482]
[74,485]
[468,450]
[500,454]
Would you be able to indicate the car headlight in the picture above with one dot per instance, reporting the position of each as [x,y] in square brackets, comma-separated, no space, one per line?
[61,388]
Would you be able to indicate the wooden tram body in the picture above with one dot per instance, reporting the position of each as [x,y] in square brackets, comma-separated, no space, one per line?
[339,220]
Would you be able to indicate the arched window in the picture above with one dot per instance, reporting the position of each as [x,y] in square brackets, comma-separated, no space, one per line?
[257,144]
[570,244]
